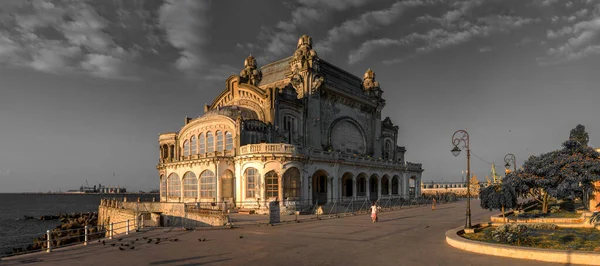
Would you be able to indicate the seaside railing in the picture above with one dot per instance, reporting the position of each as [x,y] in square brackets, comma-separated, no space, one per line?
[291,210]
[56,238]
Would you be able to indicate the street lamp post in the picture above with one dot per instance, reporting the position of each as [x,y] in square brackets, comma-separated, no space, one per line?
[458,137]
[510,159]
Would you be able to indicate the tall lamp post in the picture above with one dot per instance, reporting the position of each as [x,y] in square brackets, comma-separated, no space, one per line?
[458,137]
[510,159]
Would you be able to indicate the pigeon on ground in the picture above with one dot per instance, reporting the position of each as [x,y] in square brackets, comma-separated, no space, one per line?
[149,240]
[145,237]
[241,236]
[120,248]
[132,247]
[113,244]
[137,239]
[103,243]
[120,239]
[427,226]
[204,239]
[157,242]
[174,240]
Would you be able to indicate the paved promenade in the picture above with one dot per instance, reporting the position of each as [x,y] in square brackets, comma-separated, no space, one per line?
[403,237]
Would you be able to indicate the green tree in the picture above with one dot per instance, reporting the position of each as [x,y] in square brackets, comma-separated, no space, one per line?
[578,134]
[498,196]
[558,174]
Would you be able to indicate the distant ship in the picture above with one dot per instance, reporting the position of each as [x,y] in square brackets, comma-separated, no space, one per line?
[99,189]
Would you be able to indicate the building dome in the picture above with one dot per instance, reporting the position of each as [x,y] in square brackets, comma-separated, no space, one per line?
[233,112]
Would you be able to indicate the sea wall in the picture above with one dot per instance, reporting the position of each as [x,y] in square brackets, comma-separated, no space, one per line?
[166,214]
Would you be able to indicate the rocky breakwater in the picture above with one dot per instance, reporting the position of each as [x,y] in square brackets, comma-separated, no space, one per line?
[70,231]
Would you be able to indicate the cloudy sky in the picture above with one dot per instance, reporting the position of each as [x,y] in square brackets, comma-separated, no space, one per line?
[87,86]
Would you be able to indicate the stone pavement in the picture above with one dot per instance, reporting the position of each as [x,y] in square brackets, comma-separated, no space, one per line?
[404,237]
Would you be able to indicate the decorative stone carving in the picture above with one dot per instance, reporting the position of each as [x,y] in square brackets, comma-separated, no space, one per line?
[250,74]
[297,82]
[370,86]
[316,84]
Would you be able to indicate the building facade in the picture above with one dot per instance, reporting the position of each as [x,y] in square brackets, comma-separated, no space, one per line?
[298,129]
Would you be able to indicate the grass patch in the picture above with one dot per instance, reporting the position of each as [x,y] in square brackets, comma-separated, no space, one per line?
[583,239]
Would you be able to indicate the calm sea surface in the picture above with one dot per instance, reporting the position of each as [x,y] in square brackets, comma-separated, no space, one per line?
[15,230]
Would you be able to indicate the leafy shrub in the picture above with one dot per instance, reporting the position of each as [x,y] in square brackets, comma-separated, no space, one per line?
[542,226]
[510,233]
[554,209]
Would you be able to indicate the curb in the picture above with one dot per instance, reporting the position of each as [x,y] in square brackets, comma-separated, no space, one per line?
[558,256]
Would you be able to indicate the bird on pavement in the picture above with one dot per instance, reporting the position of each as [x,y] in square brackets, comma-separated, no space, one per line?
[113,244]
[121,248]
[241,236]
[103,243]
[132,248]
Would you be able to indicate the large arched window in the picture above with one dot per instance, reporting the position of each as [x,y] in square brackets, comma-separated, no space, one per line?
[193,147]
[272,184]
[186,148]
[208,184]
[210,142]
[190,185]
[252,178]
[385,185]
[202,144]
[219,137]
[347,137]
[291,183]
[174,186]
[163,187]
[228,141]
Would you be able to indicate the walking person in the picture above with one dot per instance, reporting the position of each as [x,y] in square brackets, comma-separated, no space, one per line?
[433,202]
[374,210]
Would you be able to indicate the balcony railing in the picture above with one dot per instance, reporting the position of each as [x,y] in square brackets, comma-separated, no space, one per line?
[270,148]
[228,153]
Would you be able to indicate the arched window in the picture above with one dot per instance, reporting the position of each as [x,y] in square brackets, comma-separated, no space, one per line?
[272,184]
[395,186]
[208,184]
[186,148]
[190,185]
[291,183]
[228,141]
[219,140]
[387,150]
[174,186]
[289,128]
[193,147]
[385,186]
[165,150]
[163,187]
[210,142]
[202,144]
[251,182]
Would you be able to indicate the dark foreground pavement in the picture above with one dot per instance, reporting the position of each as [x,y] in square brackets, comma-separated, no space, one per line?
[403,237]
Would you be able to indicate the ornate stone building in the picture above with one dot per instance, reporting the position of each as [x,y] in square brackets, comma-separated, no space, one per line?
[297,129]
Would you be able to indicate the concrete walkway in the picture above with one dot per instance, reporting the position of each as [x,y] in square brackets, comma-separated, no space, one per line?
[404,237]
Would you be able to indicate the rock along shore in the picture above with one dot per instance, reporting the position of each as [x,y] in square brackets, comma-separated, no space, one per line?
[70,231]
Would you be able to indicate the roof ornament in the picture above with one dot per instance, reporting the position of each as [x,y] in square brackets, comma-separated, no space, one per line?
[304,56]
[370,85]
[250,74]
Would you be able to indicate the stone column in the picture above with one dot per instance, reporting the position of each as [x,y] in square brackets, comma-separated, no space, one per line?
[379,181]
[354,180]
[309,188]
[218,179]
[368,187]
[280,187]
[329,189]
[404,186]
[390,184]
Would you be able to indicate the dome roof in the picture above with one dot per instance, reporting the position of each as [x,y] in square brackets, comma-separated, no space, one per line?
[232,111]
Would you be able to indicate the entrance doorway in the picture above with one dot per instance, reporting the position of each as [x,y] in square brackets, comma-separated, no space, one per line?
[373,186]
[319,187]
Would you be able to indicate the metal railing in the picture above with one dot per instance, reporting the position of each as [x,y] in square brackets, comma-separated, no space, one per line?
[56,238]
